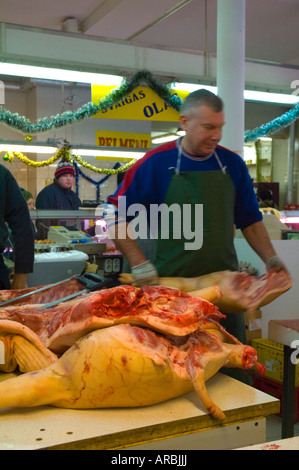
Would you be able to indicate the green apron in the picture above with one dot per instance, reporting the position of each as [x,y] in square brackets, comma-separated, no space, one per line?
[215,191]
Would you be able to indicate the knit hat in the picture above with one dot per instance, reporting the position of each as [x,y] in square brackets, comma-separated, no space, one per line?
[64,167]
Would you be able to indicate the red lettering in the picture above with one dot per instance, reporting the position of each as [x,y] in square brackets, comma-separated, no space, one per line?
[123,143]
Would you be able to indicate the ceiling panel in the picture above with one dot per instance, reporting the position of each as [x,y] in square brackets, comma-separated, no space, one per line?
[271,25]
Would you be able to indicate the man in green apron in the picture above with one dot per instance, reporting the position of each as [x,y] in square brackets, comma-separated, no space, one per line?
[191,173]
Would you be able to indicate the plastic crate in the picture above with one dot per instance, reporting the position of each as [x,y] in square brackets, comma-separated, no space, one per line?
[274,389]
[271,354]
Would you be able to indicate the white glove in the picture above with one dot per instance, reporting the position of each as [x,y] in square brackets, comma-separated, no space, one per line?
[276,264]
[145,274]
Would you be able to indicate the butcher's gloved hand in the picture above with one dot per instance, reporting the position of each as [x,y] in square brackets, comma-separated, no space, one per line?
[276,264]
[145,274]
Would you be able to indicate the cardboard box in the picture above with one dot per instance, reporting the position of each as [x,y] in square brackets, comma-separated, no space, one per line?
[253,325]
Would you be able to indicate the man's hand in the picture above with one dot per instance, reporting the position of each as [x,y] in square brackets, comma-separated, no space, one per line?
[276,264]
[145,274]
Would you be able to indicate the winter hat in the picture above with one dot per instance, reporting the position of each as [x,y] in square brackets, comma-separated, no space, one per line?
[64,167]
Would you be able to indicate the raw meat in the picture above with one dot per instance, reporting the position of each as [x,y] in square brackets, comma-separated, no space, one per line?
[129,366]
[240,291]
[160,308]
[49,295]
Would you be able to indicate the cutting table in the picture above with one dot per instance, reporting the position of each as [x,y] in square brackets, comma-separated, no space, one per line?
[181,423]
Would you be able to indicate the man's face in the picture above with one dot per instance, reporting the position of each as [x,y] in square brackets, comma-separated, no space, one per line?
[203,128]
[66,181]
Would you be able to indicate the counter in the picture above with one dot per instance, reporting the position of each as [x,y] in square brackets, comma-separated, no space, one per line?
[181,423]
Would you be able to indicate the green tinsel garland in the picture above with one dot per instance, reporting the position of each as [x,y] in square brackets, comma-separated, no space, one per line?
[24,125]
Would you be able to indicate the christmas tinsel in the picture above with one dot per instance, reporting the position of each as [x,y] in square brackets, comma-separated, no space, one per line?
[26,126]
[97,184]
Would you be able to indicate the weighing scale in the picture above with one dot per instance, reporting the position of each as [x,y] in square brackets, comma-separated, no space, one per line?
[66,235]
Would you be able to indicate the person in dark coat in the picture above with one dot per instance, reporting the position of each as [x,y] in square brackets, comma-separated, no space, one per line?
[58,196]
[15,219]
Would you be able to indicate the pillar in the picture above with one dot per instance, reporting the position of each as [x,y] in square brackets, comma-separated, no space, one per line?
[231,70]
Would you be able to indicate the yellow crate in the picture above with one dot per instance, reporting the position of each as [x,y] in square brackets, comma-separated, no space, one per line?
[271,355]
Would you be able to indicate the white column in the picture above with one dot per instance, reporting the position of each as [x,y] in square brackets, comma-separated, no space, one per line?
[231,70]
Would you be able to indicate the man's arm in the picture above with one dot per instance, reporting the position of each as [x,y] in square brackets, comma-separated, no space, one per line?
[127,245]
[258,238]
[142,270]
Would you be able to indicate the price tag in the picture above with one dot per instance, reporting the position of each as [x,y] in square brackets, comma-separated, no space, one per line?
[2,352]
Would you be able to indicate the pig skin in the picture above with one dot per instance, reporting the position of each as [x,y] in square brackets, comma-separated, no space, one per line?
[129,366]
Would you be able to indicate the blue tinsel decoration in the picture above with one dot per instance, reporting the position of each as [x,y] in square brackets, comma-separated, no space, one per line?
[97,184]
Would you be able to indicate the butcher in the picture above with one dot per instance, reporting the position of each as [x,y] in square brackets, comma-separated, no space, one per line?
[192,171]
[15,220]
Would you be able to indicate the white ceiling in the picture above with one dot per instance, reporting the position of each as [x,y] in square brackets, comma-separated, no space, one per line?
[271,25]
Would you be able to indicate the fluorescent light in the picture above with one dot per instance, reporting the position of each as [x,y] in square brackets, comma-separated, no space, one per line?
[114,155]
[249,95]
[27,148]
[290,220]
[47,73]
[165,138]
[270,97]
[191,87]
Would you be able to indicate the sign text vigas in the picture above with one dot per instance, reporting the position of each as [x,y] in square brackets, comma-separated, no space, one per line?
[142,104]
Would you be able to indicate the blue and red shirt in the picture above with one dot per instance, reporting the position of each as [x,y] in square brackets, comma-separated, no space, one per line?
[147,181]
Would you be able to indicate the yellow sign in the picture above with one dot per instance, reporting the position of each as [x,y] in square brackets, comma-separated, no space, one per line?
[142,104]
[122,139]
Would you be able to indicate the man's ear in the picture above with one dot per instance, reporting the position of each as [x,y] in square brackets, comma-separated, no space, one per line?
[183,121]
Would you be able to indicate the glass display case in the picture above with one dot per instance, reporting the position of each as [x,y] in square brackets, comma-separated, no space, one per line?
[72,245]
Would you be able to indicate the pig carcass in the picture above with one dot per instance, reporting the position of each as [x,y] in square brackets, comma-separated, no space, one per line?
[130,366]
[240,291]
[160,308]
